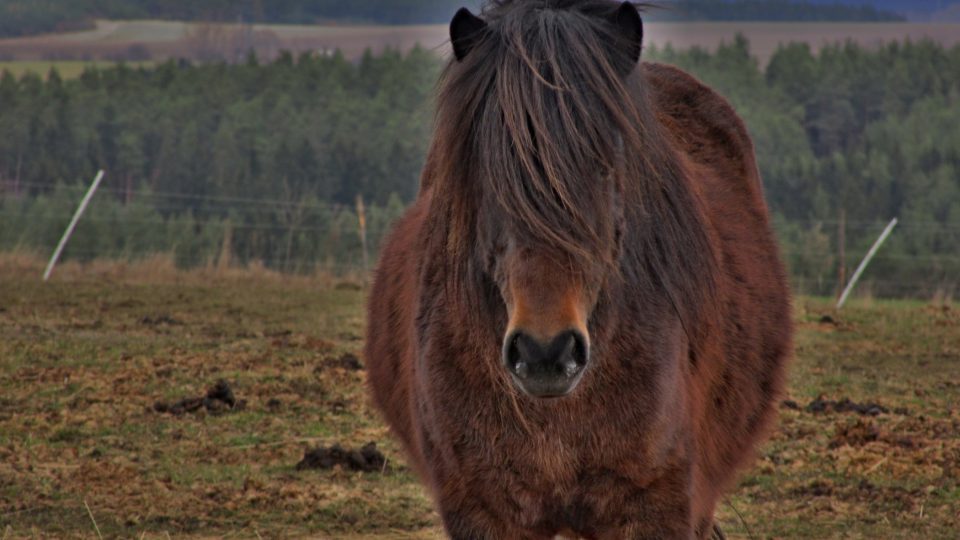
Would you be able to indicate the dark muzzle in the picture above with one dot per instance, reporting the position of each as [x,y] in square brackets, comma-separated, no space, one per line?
[546,369]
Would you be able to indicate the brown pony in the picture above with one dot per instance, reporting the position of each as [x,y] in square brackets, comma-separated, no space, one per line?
[580,326]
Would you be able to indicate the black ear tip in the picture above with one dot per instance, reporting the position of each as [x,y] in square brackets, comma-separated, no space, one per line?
[461,15]
[628,15]
[466,29]
[630,26]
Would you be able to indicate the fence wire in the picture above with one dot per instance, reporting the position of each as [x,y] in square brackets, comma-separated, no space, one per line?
[309,236]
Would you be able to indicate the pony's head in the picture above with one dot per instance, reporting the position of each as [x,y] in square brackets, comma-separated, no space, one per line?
[537,113]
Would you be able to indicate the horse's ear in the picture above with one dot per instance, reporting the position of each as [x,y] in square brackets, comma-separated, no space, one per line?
[466,30]
[629,28]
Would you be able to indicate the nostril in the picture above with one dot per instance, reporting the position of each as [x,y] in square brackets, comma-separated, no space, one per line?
[522,369]
[511,353]
[569,352]
[522,354]
[566,360]
[517,355]
[580,353]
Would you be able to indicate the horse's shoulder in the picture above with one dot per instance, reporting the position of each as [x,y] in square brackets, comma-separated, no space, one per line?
[680,95]
[701,119]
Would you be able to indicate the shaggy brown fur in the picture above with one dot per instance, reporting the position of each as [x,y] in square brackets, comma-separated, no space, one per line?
[567,189]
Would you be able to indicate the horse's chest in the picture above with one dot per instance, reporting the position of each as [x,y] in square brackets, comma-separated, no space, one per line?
[550,478]
[561,500]
[544,474]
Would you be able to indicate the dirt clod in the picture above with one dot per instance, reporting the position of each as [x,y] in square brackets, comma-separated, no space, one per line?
[855,435]
[219,399]
[821,405]
[221,391]
[348,361]
[339,406]
[817,488]
[158,320]
[367,459]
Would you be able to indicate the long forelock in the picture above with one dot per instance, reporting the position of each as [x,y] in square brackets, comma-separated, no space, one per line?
[546,109]
[526,122]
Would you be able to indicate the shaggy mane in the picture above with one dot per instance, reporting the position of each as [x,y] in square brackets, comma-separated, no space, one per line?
[545,126]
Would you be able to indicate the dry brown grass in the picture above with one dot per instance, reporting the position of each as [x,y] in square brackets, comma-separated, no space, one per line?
[84,358]
[944,296]
[161,268]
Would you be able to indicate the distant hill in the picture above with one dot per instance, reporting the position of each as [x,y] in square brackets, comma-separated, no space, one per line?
[938,10]
[770,10]
[27,17]
[896,6]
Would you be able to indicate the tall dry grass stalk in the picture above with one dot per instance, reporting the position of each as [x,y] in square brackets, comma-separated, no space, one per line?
[943,295]
[865,294]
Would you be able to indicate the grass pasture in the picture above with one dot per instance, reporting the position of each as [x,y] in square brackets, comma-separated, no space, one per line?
[83,360]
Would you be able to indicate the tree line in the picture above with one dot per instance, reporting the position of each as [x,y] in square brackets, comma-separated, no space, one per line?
[853,136]
[265,161]
[272,155]
[770,10]
[27,17]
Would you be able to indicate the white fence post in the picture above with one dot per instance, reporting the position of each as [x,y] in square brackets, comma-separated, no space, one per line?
[72,225]
[866,261]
